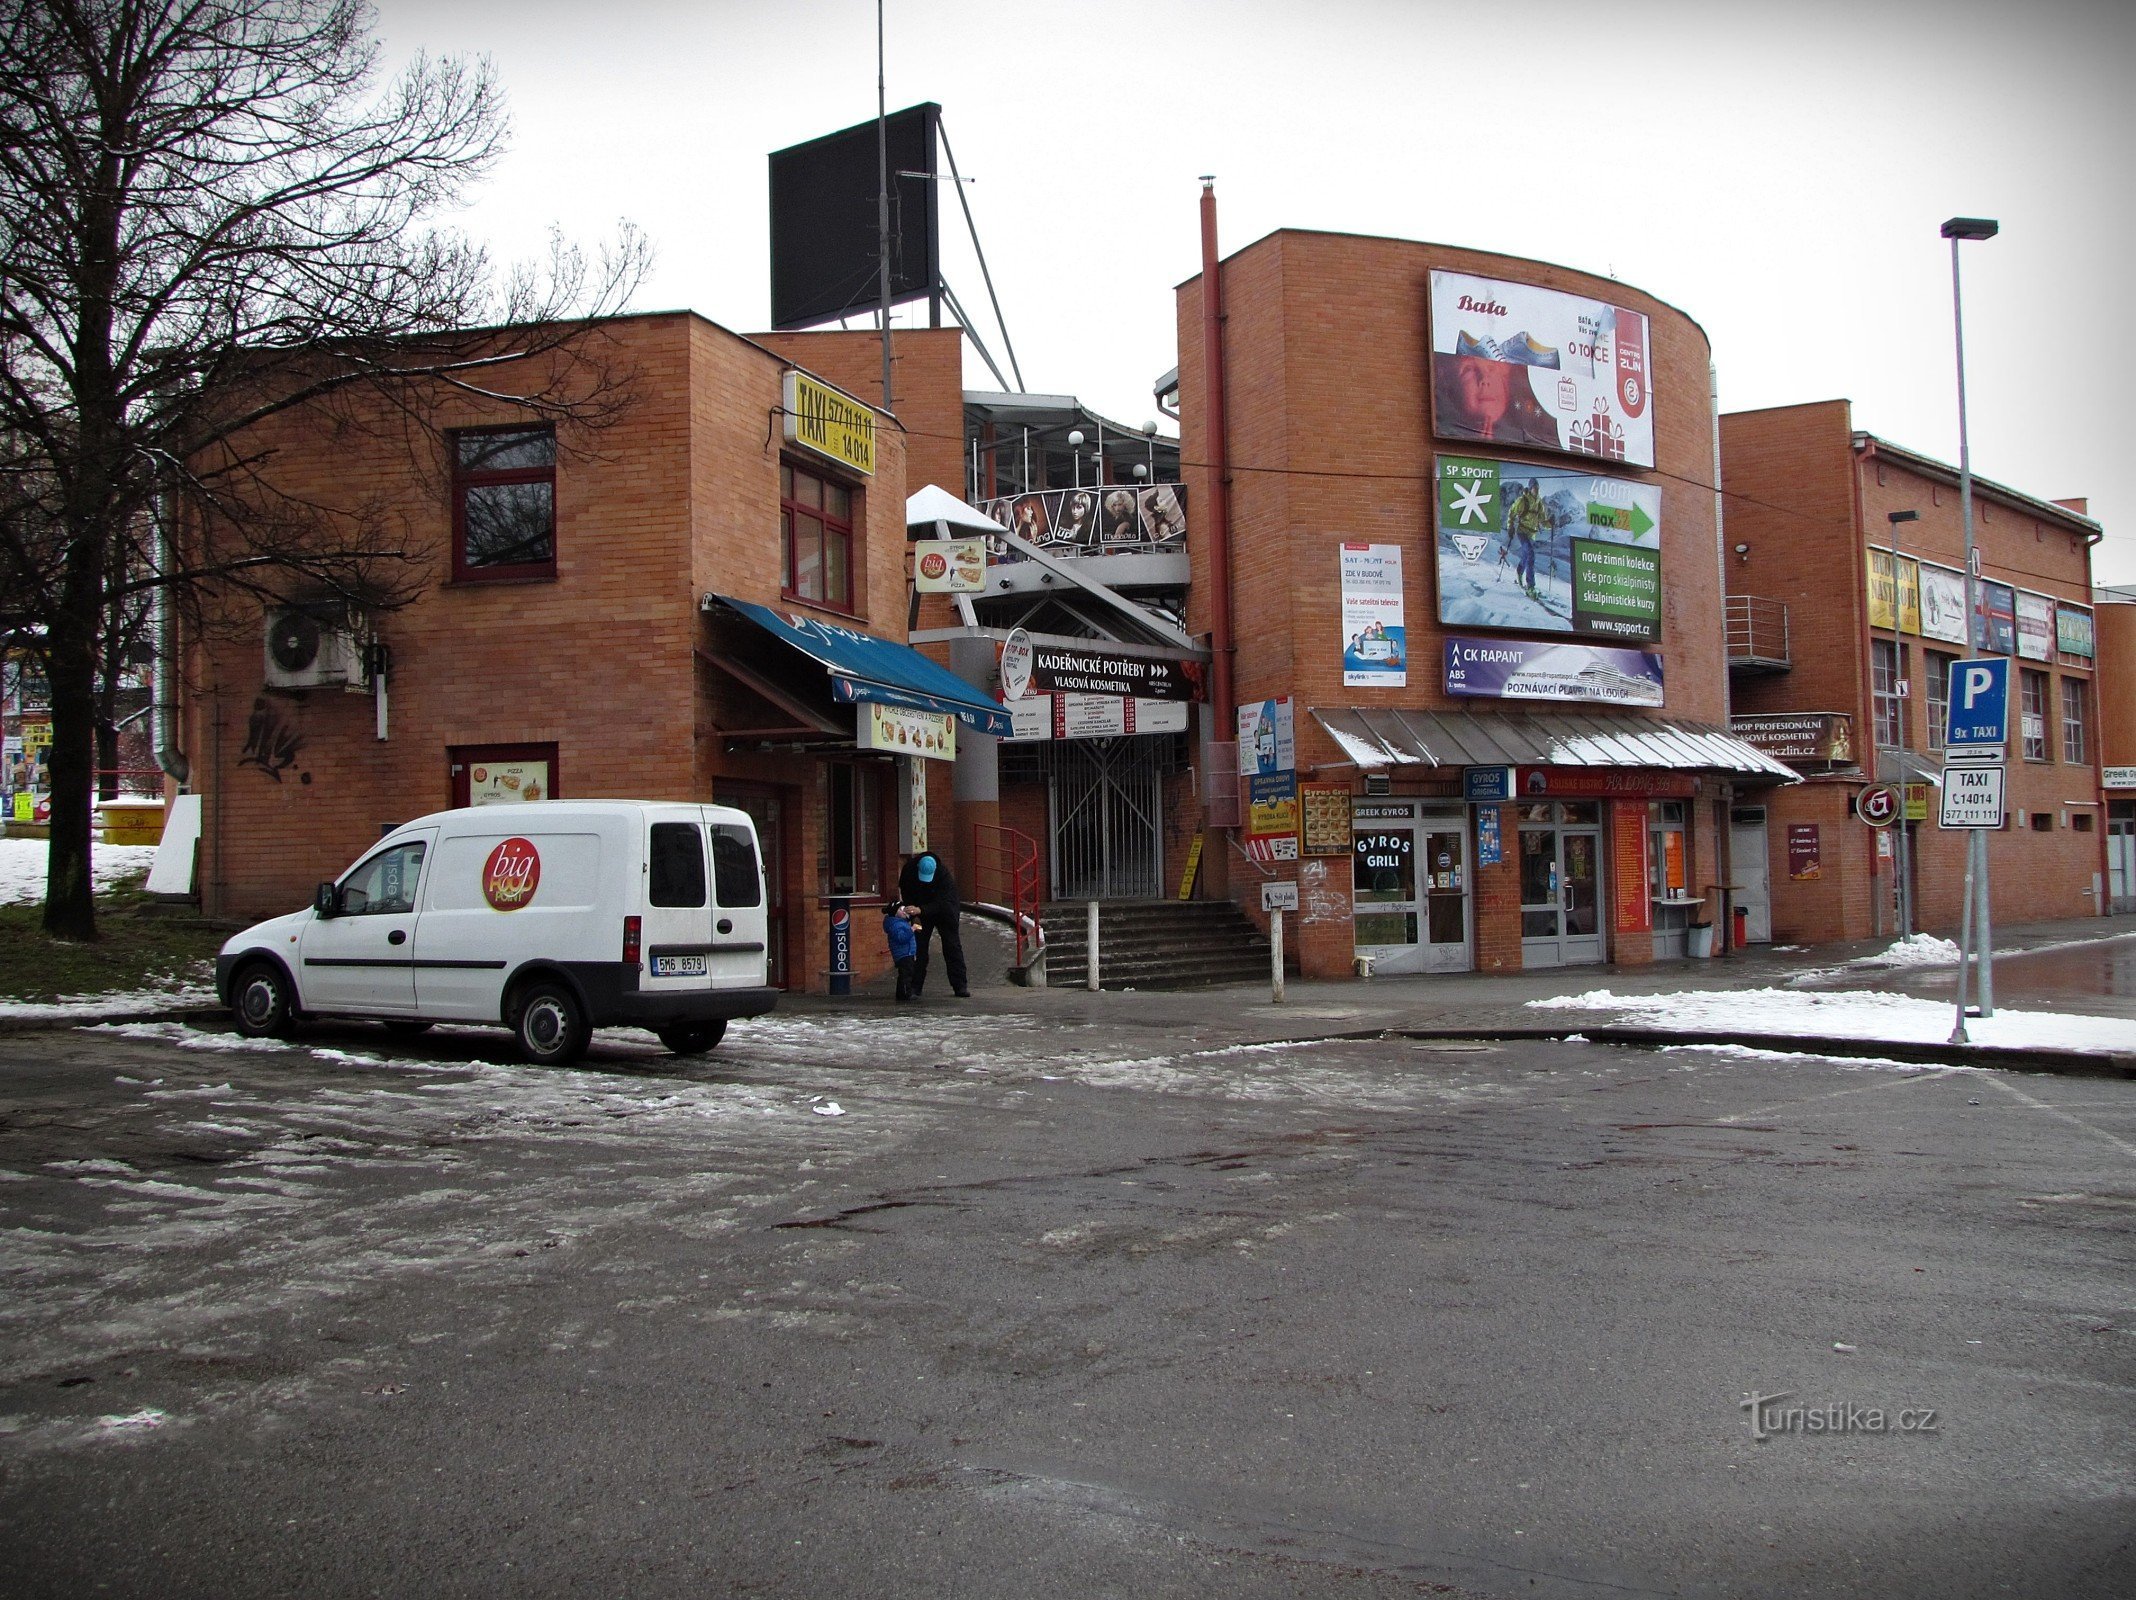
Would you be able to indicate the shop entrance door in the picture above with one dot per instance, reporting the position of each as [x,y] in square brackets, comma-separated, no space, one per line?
[1108,820]
[1561,884]
[765,809]
[1410,886]
[2121,856]
[1751,867]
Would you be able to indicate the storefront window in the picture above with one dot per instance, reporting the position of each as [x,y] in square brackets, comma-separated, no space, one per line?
[853,847]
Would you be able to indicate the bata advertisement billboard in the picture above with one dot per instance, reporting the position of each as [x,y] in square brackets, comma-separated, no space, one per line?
[1522,669]
[1548,549]
[1515,364]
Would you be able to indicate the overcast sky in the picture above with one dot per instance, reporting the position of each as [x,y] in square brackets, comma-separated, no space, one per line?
[1779,172]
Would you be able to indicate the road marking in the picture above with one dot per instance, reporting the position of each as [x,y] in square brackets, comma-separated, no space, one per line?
[2120,1144]
[1833,1094]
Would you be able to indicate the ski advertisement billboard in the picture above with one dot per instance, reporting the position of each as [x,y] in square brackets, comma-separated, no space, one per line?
[1547,549]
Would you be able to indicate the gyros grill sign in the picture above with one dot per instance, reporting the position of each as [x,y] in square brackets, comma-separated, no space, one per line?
[511,875]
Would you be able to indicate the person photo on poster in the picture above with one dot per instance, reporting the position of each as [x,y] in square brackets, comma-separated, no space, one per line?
[1479,398]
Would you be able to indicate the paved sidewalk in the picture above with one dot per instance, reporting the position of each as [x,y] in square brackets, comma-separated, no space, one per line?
[1459,1005]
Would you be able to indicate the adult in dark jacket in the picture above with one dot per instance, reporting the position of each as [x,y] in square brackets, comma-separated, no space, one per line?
[927,883]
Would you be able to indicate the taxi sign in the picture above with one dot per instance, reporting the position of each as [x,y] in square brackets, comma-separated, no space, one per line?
[1979,703]
[1973,797]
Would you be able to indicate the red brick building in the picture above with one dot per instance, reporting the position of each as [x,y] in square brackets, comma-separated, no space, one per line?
[581,630]
[1840,652]
[2115,611]
[1477,603]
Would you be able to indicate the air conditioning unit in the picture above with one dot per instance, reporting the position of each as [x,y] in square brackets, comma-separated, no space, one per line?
[312,645]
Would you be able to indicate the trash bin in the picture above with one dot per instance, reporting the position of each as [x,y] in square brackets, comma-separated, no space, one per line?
[1742,927]
[1699,940]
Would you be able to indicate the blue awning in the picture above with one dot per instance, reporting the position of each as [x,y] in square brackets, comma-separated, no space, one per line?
[863,667]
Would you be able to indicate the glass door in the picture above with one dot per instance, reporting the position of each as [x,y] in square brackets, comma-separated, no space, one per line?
[1386,904]
[1446,893]
[1560,884]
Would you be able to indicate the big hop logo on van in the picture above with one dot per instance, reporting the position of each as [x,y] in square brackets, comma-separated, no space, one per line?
[511,874]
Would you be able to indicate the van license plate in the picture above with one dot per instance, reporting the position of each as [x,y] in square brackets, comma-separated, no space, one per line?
[696,966]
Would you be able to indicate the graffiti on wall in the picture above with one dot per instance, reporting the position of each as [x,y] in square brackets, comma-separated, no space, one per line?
[271,744]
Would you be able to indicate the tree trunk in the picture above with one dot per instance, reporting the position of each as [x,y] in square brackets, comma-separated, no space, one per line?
[70,908]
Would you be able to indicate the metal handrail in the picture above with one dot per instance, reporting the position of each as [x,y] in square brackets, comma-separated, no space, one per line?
[1013,857]
[1757,628]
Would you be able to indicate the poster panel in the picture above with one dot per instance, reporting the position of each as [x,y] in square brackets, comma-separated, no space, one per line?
[1805,852]
[1515,364]
[1375,649]
[2073,631]
[1268,737]
[930,735]
[1520,669]
[2035,626]
[1272,811]
[1942,604]
[494,783]
[1996,629]
[1628,868]
[1324,818]
[1881,584]
[1108,519]
[949,566]
[1547,549]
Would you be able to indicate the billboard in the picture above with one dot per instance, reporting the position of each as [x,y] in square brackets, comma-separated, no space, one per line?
[2073,631]
[2035,626]
[1995,629]
[1882,582]
[1942,604]
[1375,638]
[1522,669]
[1107,519]
[1515,364]
[824,245]
[1547,549]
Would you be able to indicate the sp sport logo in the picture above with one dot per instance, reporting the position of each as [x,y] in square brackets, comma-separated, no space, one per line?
[511,875]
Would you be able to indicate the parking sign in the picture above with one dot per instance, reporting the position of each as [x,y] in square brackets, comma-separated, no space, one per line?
[1979,703]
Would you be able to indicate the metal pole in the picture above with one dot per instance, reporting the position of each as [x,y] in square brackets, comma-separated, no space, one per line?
[882,197]
[1984,948]
[1898,706]
[1275,957]
[1093,942]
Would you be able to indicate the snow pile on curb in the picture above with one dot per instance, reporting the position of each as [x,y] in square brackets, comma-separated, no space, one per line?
[1849,1014]
[176,997]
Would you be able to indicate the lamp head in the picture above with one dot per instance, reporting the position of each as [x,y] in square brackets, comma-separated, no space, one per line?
[1902,516]
[1971,228]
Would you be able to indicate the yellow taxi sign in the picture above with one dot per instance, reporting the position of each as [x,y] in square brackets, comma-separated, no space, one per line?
[833,425]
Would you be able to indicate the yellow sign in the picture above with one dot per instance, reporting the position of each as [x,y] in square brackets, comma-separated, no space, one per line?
[1186,876]
[36,736]
[1880,587]
[821,419]
[1917,802]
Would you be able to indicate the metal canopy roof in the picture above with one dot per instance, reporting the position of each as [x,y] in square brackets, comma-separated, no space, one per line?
[1400,738]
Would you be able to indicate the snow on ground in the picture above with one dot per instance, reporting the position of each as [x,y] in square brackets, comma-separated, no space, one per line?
[175,996]
[1848,1014]
[1921,950]
[22,867]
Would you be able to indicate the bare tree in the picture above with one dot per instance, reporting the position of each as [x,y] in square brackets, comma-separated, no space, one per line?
[211,212]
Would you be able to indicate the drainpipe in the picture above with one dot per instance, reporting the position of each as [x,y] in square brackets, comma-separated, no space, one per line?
[162,690]
[1222,707]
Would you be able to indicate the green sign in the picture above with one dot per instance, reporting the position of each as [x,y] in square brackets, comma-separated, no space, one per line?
[1616,589]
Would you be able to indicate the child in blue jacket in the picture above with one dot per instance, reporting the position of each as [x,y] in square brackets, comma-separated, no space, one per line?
[904,945]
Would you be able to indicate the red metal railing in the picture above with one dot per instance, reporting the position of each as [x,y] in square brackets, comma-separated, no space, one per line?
[1009,858]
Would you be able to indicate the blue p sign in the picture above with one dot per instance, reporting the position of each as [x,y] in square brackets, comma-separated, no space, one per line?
[1979,703]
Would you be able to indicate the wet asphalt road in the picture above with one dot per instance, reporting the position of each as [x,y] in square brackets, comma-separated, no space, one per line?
[2097,978]
[1045,1312]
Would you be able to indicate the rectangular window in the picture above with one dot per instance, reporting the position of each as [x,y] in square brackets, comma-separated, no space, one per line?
[1938,667]
[816,522]
[735,878]
[504,503]
[1887,672]
[2075,746]
[677,875]
[852,853]
[2032,714]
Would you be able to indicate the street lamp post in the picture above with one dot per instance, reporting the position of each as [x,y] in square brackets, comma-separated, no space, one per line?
[1075,454]
[1898,719]
[1957,230]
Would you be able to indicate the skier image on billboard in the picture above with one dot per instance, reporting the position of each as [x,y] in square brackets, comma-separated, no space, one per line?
[1547,549]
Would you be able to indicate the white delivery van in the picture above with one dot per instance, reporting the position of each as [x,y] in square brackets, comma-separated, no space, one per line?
[553,917]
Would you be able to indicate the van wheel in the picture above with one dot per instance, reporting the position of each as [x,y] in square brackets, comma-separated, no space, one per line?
[260,1000]
[693,1038]
[548,1025]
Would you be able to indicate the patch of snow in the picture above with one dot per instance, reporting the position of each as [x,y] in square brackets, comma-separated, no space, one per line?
[173,996]
[1848,1014]
[24,862]
[1744,1052]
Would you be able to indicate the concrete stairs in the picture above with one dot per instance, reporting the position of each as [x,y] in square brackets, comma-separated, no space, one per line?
[1154,944]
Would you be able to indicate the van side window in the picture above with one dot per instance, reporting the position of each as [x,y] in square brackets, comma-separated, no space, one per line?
[734,866]
[678,875]
[385,883]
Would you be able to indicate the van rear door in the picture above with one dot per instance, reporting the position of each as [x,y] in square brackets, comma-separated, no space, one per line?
[678,907]
[739,917]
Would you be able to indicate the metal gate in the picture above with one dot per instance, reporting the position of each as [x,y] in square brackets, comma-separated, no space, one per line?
[1107,800]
